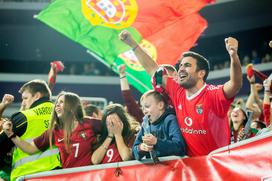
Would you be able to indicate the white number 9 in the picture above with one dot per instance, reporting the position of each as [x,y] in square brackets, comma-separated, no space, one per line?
[110,154]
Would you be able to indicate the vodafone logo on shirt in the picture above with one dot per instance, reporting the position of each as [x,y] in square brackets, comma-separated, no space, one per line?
[188,121]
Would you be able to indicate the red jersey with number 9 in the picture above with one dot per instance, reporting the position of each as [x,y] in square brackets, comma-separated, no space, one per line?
[112,155]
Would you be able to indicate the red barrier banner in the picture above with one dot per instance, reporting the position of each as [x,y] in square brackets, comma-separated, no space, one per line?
[248,160]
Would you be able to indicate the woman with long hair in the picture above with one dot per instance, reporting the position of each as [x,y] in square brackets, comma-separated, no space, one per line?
[238,119]
[116,139]
[71,132]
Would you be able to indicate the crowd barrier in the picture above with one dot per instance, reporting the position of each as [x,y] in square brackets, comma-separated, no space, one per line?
[247,160]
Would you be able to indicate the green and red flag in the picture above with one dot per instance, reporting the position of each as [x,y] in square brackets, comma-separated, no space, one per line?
[164,28]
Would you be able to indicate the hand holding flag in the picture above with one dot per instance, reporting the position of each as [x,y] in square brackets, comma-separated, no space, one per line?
[251,78]
[57,65]
[249,70]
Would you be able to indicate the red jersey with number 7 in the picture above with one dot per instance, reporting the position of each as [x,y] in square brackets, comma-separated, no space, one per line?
[81,143]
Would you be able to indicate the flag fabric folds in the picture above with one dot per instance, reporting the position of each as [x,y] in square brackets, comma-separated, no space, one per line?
[164,29]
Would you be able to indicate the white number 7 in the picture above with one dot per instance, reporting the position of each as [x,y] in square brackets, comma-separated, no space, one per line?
[77,148]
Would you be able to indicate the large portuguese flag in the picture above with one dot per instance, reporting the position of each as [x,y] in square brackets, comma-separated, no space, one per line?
[164,28]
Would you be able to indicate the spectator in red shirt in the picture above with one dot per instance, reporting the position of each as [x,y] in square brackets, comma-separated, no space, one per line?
[115,142]
[238,122]
[69,130]
[131,104]
[201,109]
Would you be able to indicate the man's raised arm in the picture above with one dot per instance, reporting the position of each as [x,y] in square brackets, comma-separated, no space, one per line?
[232,87]
[145,60]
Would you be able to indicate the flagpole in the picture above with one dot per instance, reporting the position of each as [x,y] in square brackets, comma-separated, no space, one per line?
[99,58]
[136,80]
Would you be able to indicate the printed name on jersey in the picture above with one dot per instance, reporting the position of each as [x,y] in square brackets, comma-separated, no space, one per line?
[43,111]
[46,123]
[213,87]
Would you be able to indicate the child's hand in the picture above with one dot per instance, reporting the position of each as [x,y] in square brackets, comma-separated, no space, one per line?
[145,147]
[149,139]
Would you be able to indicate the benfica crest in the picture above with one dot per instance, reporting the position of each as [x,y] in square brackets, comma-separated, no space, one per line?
[199,109]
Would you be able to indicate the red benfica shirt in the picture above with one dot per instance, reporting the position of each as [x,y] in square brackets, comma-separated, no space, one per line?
[202,117]
[81,142]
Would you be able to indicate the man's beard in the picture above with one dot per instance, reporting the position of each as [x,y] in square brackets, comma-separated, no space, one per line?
[187,84]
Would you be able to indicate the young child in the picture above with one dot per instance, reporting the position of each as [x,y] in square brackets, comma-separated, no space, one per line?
[163,136]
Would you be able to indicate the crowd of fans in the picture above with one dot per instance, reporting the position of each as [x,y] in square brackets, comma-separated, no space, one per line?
[71,68]
[97,69]
[254,58]
[172,119]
